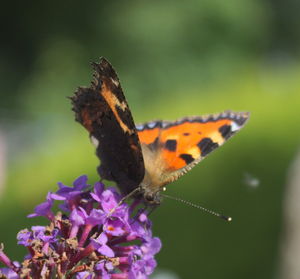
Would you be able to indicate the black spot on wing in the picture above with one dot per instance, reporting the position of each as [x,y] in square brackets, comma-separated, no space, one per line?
[225,131]
[186,134]
[171,145]
[188,158]
[206,145]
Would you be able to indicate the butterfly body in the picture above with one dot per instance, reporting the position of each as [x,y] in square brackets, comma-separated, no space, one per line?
[144,158]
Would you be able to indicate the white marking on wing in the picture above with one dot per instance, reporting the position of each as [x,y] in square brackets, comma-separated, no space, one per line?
[139,127]
[235,127]
[94,141]
[151,124]
[115,82]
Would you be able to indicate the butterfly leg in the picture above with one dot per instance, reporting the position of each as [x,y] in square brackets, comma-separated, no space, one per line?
[132,193]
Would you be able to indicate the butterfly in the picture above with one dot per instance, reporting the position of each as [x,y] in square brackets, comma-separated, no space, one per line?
[142,159]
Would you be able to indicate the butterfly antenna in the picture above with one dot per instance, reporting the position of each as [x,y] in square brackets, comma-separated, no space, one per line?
[226,218]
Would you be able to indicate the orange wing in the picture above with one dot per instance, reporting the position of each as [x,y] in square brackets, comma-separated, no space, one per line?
[184,143]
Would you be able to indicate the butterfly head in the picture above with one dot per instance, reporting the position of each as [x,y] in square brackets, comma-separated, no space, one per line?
[151,195]
[152,198]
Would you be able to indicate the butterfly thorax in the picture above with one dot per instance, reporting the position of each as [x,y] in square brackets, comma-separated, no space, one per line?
[154,178]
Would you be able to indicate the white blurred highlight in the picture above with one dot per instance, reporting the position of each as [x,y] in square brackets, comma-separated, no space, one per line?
[251,181]
[290,243]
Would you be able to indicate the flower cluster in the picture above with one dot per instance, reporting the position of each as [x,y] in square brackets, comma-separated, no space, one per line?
[93,236]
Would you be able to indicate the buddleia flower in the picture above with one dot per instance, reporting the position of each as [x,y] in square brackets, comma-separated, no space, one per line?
[92,236]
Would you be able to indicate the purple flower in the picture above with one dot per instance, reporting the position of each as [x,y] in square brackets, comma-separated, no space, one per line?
[84,275]
[7,261]
[71,192]
[98,190]
[115,227]
[94,237]
[151,247]
[72,195]
[100,244]
[24,237]
[110,203]
[8,273]
[44,209]
[103,268]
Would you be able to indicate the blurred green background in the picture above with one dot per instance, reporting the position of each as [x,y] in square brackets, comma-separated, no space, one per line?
[174,58]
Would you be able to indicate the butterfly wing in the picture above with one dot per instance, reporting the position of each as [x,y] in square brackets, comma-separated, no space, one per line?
[180,145]
[102,109]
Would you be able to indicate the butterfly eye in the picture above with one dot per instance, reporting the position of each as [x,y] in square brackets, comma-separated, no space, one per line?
[152,198]
[149,198]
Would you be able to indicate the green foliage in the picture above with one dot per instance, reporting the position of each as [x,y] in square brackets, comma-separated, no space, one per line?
[174,59]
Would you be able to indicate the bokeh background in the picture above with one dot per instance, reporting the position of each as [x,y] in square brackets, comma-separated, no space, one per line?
[174,58]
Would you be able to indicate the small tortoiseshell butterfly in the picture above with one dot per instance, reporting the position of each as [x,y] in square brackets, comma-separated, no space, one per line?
[145,157]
